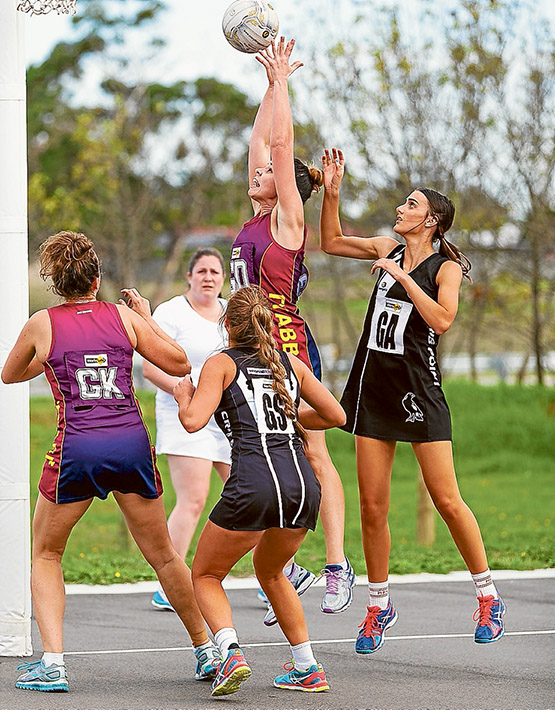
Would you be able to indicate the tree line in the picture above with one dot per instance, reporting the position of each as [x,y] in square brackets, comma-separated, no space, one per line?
[459,96]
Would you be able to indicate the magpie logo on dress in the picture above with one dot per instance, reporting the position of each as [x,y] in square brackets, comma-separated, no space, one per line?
[410,406]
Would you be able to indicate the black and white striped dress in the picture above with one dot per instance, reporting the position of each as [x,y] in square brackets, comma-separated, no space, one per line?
[271,483]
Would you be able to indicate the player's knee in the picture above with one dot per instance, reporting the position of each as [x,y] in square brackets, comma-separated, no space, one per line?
[373,512]
[449,508]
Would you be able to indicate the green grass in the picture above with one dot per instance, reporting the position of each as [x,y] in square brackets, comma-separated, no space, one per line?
[504,455]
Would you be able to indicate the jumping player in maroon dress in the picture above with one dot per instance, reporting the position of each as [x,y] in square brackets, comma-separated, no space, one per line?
[85,348]
[269,253]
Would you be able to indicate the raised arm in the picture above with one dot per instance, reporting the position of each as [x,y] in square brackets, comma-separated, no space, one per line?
[288,220]
[332,239]
[259,144]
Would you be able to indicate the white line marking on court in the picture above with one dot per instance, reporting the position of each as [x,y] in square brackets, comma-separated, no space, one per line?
[313,642]
[252,582]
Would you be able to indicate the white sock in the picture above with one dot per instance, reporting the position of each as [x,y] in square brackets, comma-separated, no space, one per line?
[379,594]
[303,658]
[344,565]
[50,658]
[224,638]
[484,584]
[203,646]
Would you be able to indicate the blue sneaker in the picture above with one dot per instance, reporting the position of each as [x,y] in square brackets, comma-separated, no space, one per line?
[339,588]
[208,661]
[231,673]
[311,681]
[371,635]
[37,676]
[489,615]
[301,579]
[160,602]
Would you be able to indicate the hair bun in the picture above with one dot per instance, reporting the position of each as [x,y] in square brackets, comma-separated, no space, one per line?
[316,177]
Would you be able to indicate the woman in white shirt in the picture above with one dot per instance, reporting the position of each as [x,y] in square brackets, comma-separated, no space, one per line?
[192,320]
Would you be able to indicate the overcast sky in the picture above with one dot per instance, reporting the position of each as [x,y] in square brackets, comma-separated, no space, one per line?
[196,44]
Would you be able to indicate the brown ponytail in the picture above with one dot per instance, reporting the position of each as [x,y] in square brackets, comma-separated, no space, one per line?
[250,324]
[308,179]
[443,209]
[70,260]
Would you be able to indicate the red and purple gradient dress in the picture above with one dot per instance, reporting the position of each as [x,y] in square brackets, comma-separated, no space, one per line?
[101,443]
[258,260]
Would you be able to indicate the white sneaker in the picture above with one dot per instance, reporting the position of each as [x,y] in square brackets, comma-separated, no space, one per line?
[301,579]
[339,588]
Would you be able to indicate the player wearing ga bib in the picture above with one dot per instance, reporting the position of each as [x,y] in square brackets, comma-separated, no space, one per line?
[258,260]
[394,388]
[271,483]
[101,443]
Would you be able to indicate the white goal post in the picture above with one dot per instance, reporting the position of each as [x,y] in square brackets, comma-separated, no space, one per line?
[15,595]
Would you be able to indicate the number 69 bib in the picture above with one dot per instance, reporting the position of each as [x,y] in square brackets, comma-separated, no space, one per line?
[270,415]
[387,329]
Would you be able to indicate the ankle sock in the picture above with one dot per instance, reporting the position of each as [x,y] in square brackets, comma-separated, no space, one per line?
[379,594]
[303,658]
[50,658]
[225,638]
[484,584]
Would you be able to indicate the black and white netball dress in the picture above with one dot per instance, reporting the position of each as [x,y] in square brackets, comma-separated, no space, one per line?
[271,483]
[394,388]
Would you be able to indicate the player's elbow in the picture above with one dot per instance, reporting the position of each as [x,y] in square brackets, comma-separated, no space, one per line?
[190,423]
[179,368]
[6,379]
[443,325]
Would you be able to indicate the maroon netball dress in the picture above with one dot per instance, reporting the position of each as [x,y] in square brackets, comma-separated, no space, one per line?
[101,443]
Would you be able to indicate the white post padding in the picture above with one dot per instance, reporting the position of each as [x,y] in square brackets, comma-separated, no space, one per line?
[15,556]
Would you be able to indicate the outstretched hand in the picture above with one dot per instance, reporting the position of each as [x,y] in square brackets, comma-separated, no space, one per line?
[276,60]
[334,169]
[135,302]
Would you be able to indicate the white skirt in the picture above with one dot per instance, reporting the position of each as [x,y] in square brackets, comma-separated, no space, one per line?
[171,438]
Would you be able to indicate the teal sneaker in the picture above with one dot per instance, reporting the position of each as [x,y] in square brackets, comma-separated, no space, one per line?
[37,676]
[489,615]
[231,673]
[311,681]
[160,602]
[208,662]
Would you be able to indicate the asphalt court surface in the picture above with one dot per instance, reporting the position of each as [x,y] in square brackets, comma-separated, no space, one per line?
[123,654]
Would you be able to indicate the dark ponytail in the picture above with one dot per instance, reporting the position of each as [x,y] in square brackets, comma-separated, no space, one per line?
[443,209]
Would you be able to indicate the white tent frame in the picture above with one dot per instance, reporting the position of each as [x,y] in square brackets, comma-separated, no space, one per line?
[15,554]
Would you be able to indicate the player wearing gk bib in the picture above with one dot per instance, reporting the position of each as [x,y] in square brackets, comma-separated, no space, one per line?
[85,348]
[271,497]
[394,389]
[269,253]
[101,443]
